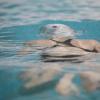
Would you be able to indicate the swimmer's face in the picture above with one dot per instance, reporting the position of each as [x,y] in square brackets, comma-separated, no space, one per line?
[57,30]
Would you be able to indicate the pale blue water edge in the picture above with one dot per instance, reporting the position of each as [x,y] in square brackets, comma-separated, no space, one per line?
[20,21]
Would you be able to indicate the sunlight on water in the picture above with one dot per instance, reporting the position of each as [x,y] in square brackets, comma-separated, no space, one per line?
[20,21]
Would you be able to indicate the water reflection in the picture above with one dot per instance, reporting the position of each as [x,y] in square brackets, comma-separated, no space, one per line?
[40,80]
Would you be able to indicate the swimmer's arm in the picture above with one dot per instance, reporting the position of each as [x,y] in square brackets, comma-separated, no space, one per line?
[36,45]
[25,50]
[97,46]
[87,44]
[28,47]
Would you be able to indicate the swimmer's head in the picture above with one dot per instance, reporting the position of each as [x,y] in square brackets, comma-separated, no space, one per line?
[57,31]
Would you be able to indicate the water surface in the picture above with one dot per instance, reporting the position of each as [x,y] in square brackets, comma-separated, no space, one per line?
[20,22]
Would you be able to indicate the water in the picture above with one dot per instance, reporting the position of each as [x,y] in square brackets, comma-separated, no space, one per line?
[20,21]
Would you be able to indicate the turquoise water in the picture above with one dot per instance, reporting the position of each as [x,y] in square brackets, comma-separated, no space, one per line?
[20,22]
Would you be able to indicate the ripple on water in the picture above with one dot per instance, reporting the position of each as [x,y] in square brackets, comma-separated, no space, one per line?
[20,21]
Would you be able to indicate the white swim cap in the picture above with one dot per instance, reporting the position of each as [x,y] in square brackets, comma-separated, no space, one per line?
[57,30]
